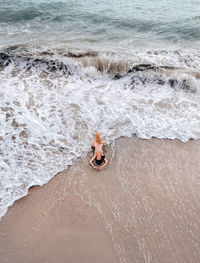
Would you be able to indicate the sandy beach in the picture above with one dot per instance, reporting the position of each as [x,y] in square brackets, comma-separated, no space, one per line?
[144,207]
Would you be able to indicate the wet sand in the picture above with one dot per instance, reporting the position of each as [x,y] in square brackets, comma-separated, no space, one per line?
[145,207]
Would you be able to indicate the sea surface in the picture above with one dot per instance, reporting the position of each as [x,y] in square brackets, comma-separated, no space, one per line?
[69,68]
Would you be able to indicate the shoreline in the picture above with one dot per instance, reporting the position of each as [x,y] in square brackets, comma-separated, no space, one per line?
[144,207]
[90,153]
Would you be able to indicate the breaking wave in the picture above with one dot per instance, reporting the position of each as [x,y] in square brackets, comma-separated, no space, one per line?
[52,101]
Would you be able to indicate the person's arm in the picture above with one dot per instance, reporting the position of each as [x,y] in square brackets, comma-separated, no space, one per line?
[92,159]
[106,162]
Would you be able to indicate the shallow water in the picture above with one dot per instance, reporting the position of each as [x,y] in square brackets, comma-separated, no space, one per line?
[112,23]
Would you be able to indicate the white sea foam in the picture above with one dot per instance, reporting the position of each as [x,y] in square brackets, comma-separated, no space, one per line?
[48,117]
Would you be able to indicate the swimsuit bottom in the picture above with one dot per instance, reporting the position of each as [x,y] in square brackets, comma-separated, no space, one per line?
[99,162]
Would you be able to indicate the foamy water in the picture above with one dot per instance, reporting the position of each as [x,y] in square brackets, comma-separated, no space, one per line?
[52,103]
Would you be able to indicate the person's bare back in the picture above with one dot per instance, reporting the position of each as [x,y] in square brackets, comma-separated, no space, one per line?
[98,148]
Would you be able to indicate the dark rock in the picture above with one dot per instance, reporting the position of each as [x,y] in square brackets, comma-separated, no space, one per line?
[4,56]
[118,76]
[130,71]
[173,82]
[167,67]
[142,67]
[4,60]
[136,79]
[52,65]
[53,68]
[185,86]
[160,82]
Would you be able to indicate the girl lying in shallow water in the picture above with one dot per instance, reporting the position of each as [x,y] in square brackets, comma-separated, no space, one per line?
[99,160]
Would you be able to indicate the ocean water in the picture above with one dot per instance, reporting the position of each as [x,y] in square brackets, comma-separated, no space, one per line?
[68,68]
